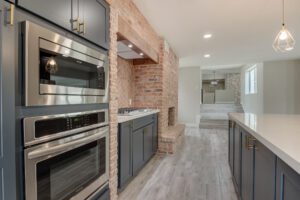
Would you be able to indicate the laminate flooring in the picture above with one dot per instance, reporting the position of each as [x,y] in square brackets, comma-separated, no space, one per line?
[199,170]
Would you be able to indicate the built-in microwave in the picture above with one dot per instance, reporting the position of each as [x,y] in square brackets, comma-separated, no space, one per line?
[60,71]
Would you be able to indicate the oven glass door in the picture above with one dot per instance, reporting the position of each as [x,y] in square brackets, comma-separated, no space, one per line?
[63,176]
[67,68]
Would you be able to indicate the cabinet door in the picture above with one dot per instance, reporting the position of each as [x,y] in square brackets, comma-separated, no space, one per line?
[155,134]
[95,16]
[56,11]
[148,142]
[264,173]
[237,157]
[247,168]
[8,58]
[287,182]
[137,150]
[231,144]
[125,153]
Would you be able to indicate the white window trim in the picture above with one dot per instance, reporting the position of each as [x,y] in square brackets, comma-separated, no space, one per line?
[248,82]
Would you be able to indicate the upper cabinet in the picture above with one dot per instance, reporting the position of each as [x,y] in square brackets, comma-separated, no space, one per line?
[86,18]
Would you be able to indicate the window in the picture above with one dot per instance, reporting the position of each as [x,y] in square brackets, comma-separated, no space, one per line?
[251,80]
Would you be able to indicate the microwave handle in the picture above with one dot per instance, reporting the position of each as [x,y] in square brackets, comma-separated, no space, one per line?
[65,147]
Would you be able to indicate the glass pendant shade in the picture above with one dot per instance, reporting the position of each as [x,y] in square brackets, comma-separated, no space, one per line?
[284,41]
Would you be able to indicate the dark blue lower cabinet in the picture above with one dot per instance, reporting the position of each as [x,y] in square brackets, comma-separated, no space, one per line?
[231,145]
[237,158]
[247,171]
[287,183]
[102,194]
[264,173]
[137,150]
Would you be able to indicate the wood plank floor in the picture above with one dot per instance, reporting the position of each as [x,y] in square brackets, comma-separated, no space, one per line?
[198,171]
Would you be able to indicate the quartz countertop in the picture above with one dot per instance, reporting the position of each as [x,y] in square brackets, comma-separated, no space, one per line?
[125,118]
[279,133]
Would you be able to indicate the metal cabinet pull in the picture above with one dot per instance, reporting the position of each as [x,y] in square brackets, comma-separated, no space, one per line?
[250,143]
[81,28]
[75,24]
[10,17]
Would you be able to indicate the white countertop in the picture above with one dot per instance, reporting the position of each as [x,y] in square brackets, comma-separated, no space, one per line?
[280,133]
[125,118]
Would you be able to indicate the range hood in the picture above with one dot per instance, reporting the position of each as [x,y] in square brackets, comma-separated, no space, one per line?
[124,51]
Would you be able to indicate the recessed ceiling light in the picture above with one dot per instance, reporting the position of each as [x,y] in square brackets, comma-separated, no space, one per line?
[207,36]
[130,45]
[141,54]
[206,56]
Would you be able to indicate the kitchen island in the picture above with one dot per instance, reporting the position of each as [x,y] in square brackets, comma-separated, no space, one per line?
[264,155]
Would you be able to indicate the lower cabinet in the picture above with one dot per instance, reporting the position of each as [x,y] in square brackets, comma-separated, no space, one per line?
[264,173]
[137,150]
[287,183]
[257,172]
[148,142]
[137,144]
[231,144]
[247,156]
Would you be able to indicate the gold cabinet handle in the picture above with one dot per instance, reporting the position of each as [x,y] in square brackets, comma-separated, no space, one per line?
[75,24]
[81,28]
[250,143]
[11,10]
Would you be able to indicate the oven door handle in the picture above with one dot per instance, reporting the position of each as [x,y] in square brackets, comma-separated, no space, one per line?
[41,152]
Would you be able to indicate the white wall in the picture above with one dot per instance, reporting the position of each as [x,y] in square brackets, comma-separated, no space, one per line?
[189,95]
[253,103]
[282,87]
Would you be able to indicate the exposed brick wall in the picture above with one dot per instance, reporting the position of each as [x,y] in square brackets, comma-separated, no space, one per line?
[113,106]
[126,83]
[155,86]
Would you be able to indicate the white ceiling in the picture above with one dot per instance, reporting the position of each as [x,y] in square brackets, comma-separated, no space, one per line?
[243,30]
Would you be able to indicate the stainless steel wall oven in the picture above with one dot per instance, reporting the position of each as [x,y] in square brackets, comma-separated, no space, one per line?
[66,156]
[61,71]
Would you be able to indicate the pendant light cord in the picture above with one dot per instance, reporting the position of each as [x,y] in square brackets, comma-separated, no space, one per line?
[283,13]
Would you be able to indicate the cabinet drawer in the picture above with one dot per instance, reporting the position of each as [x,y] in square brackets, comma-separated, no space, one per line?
[142,122]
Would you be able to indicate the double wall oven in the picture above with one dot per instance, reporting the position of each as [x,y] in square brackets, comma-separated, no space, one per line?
[60,71]
[66,156]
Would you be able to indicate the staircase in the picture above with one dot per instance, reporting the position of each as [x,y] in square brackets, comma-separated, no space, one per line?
[216,115]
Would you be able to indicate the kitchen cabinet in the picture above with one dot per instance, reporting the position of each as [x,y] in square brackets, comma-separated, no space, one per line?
[125,153]
[231,144]
[8,58]
[237,157]
[101,195]
[155,133]
[137,144]
[287,183]
[86,18]
[264,173]
[148,142]
[137,150]
[247,160]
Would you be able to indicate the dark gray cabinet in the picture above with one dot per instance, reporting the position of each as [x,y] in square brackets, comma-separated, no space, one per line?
[137,150]
[231,144]
[148,142]
[264,173]
[247,154]
[8,46]
[137,144]
[237,157]
[287,183]
[86,18]
[155,133]
[125,152]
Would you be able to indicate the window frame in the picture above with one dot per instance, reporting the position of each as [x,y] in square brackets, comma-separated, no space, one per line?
[251,80]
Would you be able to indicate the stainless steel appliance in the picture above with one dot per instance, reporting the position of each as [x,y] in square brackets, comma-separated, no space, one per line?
[60,71]
[75,164]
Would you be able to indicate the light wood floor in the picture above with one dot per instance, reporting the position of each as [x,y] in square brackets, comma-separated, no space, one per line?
[198,171]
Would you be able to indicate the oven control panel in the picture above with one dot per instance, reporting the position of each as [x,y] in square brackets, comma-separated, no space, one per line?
[46,127]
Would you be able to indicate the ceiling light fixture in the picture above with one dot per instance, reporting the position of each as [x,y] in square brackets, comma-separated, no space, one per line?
[284,41]
[130,45]
[206,56]
[207,36]
[141,54]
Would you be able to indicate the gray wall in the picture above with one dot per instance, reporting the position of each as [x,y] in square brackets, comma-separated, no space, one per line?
[189,97]
[282,87]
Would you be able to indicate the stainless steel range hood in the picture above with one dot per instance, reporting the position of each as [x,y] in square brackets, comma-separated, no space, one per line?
[124,51]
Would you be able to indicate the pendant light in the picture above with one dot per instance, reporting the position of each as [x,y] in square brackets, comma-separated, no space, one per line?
[284,41]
